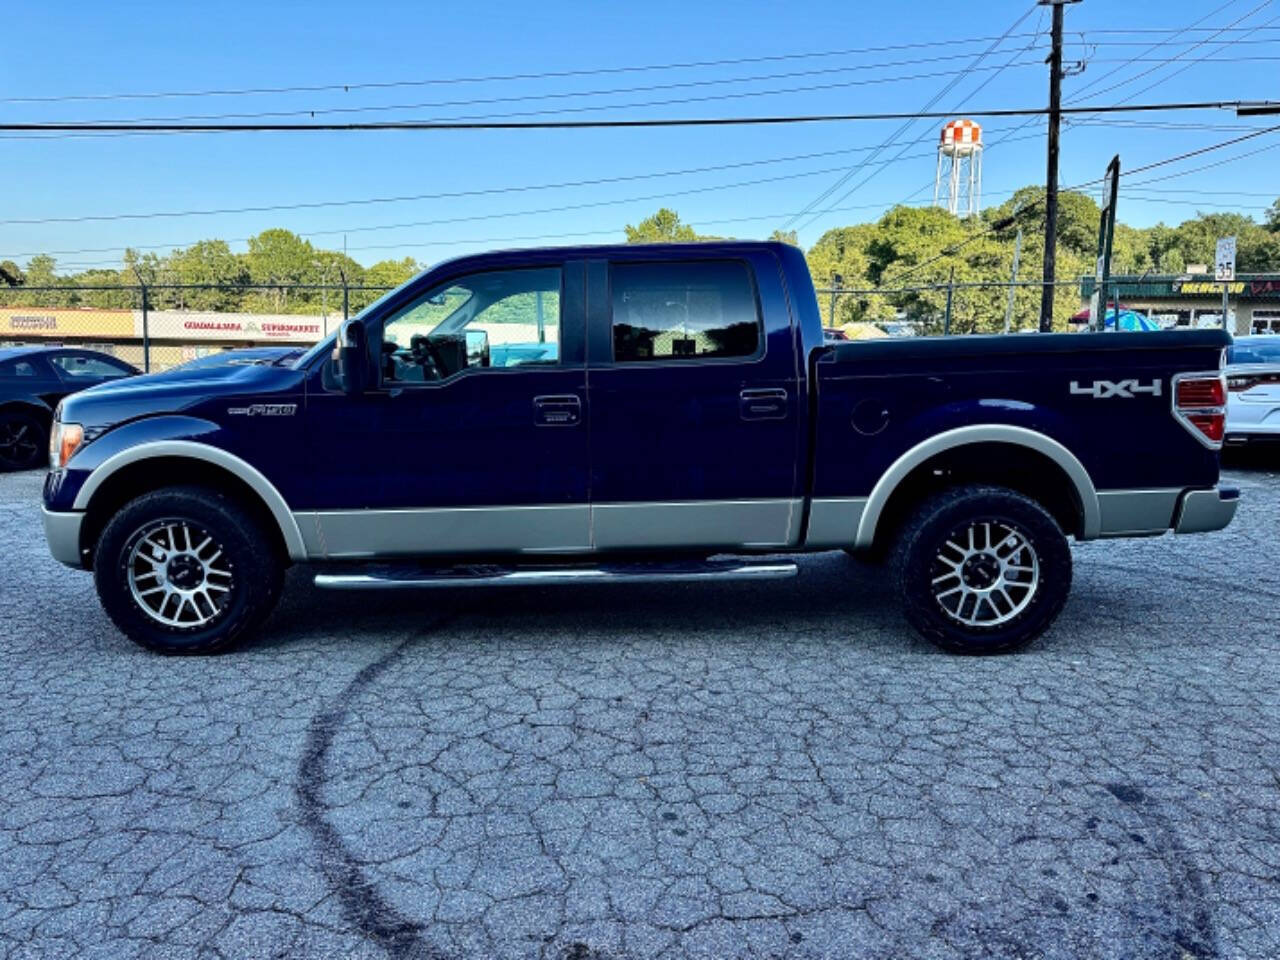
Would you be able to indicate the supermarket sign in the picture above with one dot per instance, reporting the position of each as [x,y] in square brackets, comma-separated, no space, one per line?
[236,327]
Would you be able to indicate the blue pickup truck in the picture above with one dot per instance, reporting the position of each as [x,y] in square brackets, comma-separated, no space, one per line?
[625,414]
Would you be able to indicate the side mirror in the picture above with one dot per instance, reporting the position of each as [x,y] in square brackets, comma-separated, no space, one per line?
[477,348]
[351,358]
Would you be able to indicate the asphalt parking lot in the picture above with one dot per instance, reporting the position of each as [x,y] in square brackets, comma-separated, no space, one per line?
[777,770]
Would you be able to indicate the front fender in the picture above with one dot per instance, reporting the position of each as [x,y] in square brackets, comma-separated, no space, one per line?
[73,488]
[62,487]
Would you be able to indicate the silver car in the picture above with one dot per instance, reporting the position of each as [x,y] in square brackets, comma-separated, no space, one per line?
[1253,389]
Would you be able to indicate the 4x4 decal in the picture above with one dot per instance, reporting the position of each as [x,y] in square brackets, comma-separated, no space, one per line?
[1126,389]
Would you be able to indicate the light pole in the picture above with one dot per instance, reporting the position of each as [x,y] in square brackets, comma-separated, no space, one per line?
[837,281]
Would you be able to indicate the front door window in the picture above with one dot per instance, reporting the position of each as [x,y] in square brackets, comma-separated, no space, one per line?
[493,320]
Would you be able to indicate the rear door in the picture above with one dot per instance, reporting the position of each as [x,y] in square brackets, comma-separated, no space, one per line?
[693,403]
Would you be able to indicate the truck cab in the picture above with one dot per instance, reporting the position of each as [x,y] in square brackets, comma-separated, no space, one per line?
[623,413]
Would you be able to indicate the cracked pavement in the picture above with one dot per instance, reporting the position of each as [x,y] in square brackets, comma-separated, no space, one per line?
[732,770]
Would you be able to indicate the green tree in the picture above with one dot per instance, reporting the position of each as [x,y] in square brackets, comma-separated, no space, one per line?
[664,226]
[10,274]
[42,271]
[209,262]
[276,259]
[1273,217]
[785,236]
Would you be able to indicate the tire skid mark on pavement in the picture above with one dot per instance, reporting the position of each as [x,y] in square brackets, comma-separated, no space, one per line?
[363,904]
[1194,932]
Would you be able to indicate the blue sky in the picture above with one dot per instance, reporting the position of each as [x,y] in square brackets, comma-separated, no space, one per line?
[96,49]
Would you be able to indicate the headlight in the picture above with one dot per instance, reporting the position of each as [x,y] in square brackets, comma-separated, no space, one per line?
[64,440]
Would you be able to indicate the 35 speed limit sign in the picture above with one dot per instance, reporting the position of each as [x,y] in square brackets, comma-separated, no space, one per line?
[1225,260]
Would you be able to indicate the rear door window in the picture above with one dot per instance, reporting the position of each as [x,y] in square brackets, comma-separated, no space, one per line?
[691,311]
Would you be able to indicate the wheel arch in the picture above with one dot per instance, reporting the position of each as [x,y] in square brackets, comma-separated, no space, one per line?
[36,408]
[153,466]
[1025,460]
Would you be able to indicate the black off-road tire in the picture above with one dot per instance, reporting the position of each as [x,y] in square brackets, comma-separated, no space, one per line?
[916,558]
[256,569]
[24,440]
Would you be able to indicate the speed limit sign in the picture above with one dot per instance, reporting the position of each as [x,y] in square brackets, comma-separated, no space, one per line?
[1225,260]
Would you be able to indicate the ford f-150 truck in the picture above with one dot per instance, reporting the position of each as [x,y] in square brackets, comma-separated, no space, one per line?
[629,414]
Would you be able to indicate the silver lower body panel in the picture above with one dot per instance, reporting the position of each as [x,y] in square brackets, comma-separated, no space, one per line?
[393,577]
[62,531]
[1204,511]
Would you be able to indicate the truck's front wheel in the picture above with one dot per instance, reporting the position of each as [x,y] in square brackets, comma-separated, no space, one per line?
[982,570]
[186,570]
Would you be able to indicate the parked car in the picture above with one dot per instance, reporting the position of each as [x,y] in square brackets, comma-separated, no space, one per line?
[32,381]
[1253,390]
[688,421]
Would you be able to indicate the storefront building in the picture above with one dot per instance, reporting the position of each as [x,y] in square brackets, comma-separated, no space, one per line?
[1195,300]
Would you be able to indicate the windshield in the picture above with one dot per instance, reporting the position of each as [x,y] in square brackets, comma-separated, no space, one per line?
[1261,350]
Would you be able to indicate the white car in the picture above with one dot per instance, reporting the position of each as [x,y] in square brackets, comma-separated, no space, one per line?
[1253,390]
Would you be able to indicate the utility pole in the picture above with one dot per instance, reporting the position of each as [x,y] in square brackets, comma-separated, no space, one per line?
[1051,179]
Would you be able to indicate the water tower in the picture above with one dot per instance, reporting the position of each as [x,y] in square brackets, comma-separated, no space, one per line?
[960,161]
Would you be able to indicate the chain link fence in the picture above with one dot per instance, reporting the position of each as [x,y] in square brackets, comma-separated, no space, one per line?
[158,326]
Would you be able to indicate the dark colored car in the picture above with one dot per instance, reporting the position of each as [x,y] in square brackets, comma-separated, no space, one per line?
[634,414]
[32,381]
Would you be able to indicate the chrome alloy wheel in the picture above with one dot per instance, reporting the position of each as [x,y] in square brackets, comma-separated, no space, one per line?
[985,574]
[179,575]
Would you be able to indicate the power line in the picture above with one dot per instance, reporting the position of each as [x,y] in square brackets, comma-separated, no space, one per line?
[595,181]
[575,94]
[782,119]
[493,78]
[683,85]
[563,74]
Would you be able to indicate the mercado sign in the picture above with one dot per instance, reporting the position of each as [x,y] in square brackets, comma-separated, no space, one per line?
[61,323]
[1209,288]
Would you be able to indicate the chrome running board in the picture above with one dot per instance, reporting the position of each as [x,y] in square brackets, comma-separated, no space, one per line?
[411,576]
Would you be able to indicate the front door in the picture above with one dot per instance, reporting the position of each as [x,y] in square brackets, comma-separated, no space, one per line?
[694,406]
[475,440]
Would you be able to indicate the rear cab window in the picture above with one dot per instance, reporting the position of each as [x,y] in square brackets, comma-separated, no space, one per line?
[689,311]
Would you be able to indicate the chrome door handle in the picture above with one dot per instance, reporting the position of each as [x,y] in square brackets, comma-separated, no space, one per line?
[557,411]
[766,403]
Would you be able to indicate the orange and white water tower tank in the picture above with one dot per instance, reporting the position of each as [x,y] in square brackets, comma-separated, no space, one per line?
[960,166]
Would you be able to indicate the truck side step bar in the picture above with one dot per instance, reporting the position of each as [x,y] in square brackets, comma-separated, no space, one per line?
[400,576]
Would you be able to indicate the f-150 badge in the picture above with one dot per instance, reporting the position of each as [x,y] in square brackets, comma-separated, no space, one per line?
[1125,389]
[265,410]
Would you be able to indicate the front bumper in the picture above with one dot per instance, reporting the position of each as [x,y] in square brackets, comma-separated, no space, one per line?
[62,531]
[1203,511]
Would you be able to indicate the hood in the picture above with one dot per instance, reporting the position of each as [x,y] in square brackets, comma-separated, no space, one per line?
[179,390]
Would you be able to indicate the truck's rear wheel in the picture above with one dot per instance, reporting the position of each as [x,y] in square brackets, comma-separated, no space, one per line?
[982,570]
[186,570]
